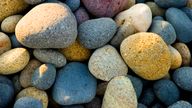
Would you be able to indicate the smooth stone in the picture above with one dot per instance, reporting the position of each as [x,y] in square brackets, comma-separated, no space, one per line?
[34,93]
[16,83]
[147,97]
[26,73]
[185,53]
[182,24]
[106,63]
[50,56]
[171,3]
[10,8]
[14,42]
[34,2]
[44,76]
[176,59]
[73,4]
[74,85]
[120,94]
[13,61]
[95,103]
[166,91]
[181,104]
[28,102]
[5,43]
[187,11]
[138,18]
[96,33]
[81,15]
[147,55]
[101,88]
[48,25]
[165,30]
[8,24]
[183,78]
[76,52]
[155,9]
[106,8]
[158,18]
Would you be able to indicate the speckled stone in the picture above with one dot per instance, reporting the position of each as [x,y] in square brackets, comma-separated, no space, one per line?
[48,25]
[120,94]
[182,77]
[101,88]
[155,9]
[176,59]
[138,18]
[73,4]
[11,7]
[81,15]
[106,63]
[8,24]
[165,30]
[147,55]
[34,93]
[13,61]
[181,104]
[95,103]
[171,3]
[26,73]
[14,42]
[96,33]
[185,53]
[50,56]
[76,52]
[44,76]
[74,85]
[5,43]
[106,8]
[28,102]
[33,2]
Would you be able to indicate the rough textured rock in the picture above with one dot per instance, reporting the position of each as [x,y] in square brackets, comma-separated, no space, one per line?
[5,43]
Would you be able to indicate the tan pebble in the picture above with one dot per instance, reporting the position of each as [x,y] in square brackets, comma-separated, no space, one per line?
[176,59]
[5,43]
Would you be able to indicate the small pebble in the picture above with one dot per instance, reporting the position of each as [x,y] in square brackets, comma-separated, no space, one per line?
[5,43]
[171,3]
[14,42]
[73,4]
[181,104]
[176,59]
[28,102]
[81,15]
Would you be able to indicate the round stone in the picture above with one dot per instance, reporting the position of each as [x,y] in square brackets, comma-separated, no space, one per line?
[176,59]
[13,60]
[147,55]
[8,24]
[48,25]
[74,85]
[76,52]
[120,94]
[33,2]
[96,33]
[28,102]
[181,104]
[171,3]
[5,43]
[73,4]
[106,63]
[50,56]
[34,93]
[44,76]
[155,9]
[81,15]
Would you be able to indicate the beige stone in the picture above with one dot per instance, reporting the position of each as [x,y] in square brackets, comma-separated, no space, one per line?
[176,59]
[5,43]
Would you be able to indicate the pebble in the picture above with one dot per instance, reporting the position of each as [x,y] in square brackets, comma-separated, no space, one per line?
[43,27]
[171,3]
[185,53]
[181,104]
[165,30]
[96,33]
[95,103]
[183,78]
[13,61]
[81,15]
[76,52]
[138,18]
[8,24]
[28,102]
[33,2]
[83,89]
[14,42]
[182,24]
[120,94]
[155,9]
[188,12]
[176,59]
[10,8]
[73,4]
[5,43]
[50,56]
[166,91]
[147,97]
[147,55]
[106,8]
[44,76]
[106,63]
[34,93]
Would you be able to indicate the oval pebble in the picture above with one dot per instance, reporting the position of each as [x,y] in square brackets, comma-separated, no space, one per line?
[155,9]
[50,56]
[73,4]
[81,15]
[5,43]
[176,59]
[13,60]
[120,94]
[96,33]
[83,89]
[28,102]
[147,55]
[181,104]
[33,2]
[171,3]
[158,18]
[54,26]
[106,63]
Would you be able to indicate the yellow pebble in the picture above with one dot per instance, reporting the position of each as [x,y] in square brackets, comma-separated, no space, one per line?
[176,59]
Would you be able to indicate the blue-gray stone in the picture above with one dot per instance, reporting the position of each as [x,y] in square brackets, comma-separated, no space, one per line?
[28,102]
[147,97]
[157,105]
[171,3]
[97,32]
[183,78]
[166,91]
[182,24]
[14,42]
[44,76]
[158,18]
[73,4]
[141,105]
[181,104]
[165,30]
[187,11]
[74,85]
